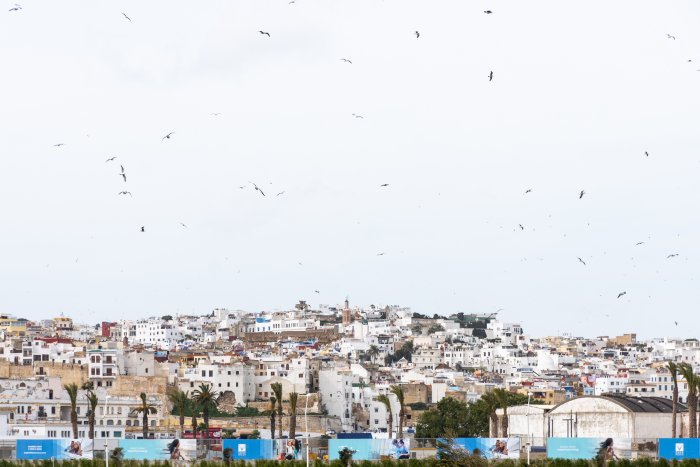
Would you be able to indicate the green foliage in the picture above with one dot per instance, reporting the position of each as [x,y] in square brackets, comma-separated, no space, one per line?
[404,352]
[435,328]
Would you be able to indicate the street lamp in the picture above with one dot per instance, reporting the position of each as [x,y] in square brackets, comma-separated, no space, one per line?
[306,422]
[105,421]
[529,435]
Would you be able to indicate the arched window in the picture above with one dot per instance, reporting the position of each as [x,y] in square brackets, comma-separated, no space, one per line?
[128,423]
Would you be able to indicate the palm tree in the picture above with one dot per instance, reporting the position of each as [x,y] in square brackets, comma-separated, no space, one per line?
[398,392]
[384,399]
[195,412]
[502,399]
[180,400]
[693,380]
[491,402]
[277,389]
[145,409]
[293,397]
[373,351]
[206,398]
[273,402]
[673,368]
[72,390]
[92,402]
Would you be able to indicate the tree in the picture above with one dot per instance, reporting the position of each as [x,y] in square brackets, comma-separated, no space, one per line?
[384,399]
[72,390]
[502,399]
[417,329]
[398,392]
[435,328]
[693,380]
[277,389]
[145,409]
[673,369]
[273,402]
[195,412]
[180,400]
[166,318]
[293,397]
[373,351]
[449,418]
[206,398]
[92,403]
[491,404]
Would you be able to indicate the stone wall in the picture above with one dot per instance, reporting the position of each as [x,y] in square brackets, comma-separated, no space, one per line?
[68,373]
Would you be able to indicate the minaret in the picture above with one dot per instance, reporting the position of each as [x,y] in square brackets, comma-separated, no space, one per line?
[347,316]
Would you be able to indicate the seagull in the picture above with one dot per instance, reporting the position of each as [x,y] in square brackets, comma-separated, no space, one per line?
[17,7]
[646,153]
[263,32]
[417,34]
[584,263]
[676,322]
[122,167]
[671,37]
[216,114]
[621,294]
[357,116]
[528,190]
[346,60]
[380,254]
[125,193]
[59,145]
[280,193]
[167,136]
[491,76]
[639,243]
[581,194]
[316,291]
[384,184]
[488,12]
[672,255]
[110,159]
[124,14]
[123,175]
[183,224]
[521,226]
[256,187]
[143,228]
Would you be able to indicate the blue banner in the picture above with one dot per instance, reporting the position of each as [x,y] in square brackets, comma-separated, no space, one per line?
[679,448]
[589,448]
[159,449]
[491,448]
[59,449]
[248,449]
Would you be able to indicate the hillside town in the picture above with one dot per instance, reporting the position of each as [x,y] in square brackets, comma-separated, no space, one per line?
[343,365]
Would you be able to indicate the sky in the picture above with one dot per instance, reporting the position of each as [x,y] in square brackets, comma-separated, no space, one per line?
[580,91]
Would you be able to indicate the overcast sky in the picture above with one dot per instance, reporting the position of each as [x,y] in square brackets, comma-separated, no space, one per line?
[580,91]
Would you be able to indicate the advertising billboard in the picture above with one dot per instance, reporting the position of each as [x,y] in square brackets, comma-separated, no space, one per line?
[371,449]
[59,449]
[257,449]
[159,449]
[491,448]
[589,448]
[679,448]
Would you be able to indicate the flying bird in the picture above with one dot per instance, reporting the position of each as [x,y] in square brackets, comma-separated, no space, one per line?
[110,159]
[143,228]
[346,60]
[125,193]
[357,116]
[122,167]
[528,190]
[183,224]
[676,322]
[584,263]
[646,153]
[580,195]
[380,254]
[417,34]
[17,7]
[639,243]
[671,37]
[491,76]
[167,136]
[384,184]
[256,187]
[280,193]
[316,291]
[521,226]
[263,32]
[672,255]
[58,145]
[216,114]
[488,12]
[621,294]
[124,14]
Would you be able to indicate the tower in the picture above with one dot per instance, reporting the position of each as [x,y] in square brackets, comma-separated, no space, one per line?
[347,316]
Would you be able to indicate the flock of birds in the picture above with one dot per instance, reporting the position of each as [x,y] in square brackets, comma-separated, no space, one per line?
[122,173]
